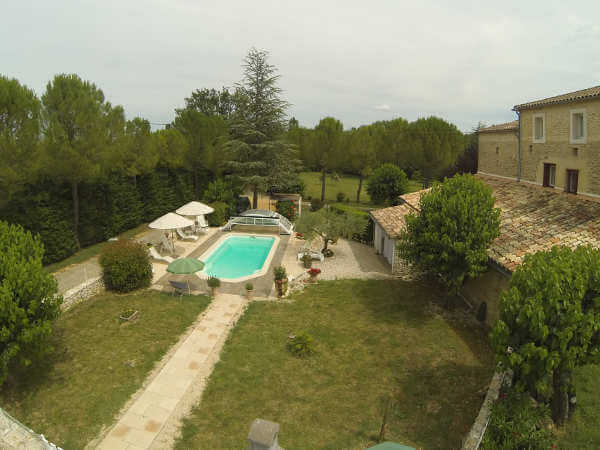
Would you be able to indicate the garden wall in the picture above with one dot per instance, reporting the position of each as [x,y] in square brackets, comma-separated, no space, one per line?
[82,292]
[13,434]
[487,288]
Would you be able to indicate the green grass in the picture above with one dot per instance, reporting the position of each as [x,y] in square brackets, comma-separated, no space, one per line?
[91,251]
[97,364]
[583,429]
[348,184]
[372,339]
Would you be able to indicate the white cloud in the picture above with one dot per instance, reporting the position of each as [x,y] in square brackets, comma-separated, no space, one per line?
[383,107]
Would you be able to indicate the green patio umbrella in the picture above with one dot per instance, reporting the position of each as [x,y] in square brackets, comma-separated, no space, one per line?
[185,266]
[390,446]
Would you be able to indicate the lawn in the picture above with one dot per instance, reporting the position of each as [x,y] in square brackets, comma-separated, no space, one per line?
[348,184]
[97,364]
[372,339]
[583,429]
[91,251]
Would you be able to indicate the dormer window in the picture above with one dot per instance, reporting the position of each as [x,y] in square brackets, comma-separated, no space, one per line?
[578,126]
[539,128]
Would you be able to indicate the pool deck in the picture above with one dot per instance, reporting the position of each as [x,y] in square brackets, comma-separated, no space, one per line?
[263,284]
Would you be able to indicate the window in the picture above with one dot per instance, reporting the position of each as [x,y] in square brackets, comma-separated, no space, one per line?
[539,128]
[549,175]
[572,178]
[578,126]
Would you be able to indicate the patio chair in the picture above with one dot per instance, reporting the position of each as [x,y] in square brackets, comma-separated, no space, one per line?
[155,255]
[180,288]
[183,236]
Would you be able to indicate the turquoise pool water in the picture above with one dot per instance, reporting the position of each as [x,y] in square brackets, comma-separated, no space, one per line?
[238,256]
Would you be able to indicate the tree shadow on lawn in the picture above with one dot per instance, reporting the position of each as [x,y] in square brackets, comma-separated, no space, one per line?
[436,403]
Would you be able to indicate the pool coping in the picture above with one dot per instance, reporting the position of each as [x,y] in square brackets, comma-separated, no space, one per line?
[259,273]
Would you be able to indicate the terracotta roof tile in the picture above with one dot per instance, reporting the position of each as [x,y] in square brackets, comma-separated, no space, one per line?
[392,219]
[582,94]
[508,126]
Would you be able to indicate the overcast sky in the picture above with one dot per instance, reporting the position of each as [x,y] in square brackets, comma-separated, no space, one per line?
[359,61]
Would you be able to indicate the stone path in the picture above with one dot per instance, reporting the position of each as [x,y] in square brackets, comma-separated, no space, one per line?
[151,419]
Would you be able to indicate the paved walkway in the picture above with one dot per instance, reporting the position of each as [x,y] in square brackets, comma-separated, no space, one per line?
[151,419]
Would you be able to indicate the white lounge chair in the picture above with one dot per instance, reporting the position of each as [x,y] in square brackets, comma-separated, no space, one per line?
[201,223]
[167,245]
[306,250]
[184,236]
[159,257]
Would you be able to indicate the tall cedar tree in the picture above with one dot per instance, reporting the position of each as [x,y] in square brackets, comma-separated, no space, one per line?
[550,324]
[29,299]
[19,136]
[450,236]
[80,134]
[258,155]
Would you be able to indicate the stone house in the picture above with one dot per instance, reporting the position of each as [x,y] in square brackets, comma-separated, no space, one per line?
[555,143]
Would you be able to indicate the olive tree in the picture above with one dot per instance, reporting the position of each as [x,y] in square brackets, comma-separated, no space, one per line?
[550,323]
[28,299]
[330,225]
[450,236]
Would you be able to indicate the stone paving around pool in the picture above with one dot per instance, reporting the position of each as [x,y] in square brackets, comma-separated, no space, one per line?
[151,419]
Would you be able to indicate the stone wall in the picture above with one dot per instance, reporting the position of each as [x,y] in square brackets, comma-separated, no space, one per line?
[473,439]
[15,435]
[558,149]
[498,153]
[82,292]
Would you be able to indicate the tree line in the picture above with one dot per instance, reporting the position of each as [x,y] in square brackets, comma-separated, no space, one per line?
[427,149]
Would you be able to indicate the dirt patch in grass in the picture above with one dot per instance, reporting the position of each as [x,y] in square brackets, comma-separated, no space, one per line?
[372,339]
[98,363]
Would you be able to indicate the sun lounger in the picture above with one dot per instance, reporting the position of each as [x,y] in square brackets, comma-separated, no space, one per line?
[201,223]
[167,245]
[184,236]
[159,257]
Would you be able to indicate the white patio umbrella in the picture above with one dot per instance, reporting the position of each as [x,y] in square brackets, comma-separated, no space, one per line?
[170,221]
[194,209]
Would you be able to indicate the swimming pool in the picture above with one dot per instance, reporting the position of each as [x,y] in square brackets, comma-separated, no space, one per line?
[238,256]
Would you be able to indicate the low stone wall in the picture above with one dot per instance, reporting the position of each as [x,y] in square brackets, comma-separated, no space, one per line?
[473,439]
[82,292]
[15,435]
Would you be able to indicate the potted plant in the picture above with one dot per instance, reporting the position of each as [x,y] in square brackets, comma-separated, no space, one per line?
[313,274]
[213,284]
[249,290]
[281,280]
[307,261]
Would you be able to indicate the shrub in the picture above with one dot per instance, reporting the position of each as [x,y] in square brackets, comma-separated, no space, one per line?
[301,345]
[313,272]
[286,208]
[307,260]
[28,298]
[249,287]
[219,216]
[366,236]
[219,191]
[387,183]
[213,282]
[340,196]
[242,203]
[315,204]
[450,236]
[517,422]
[126,266]
[279,273]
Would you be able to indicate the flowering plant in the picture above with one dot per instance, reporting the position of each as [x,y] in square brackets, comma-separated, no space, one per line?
[313,272]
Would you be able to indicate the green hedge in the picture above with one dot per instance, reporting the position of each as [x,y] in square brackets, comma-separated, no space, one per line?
[365,237]
[106,208]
